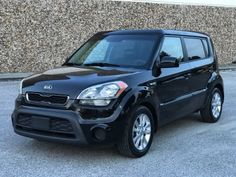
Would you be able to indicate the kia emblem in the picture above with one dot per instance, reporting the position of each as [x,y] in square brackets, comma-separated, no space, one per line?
[47,87]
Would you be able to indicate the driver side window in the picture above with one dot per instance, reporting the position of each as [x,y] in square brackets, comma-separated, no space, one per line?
[172,47]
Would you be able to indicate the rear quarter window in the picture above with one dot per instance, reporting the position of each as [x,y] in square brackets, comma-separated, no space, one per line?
[195,48]
[205,43]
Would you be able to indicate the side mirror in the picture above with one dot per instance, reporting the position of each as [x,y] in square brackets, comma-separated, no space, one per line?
[169,62]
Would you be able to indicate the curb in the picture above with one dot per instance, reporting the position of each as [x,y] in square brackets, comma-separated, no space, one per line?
[227,69]
[13,76]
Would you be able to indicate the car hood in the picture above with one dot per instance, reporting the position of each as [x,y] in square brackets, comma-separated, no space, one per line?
[72,81]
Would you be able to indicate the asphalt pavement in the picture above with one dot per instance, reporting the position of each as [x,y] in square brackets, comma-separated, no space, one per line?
[185,147]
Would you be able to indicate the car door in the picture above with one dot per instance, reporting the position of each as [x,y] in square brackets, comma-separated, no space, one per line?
[173,83]
[201,61]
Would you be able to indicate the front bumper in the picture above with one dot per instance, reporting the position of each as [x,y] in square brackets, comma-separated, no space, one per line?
[66,126]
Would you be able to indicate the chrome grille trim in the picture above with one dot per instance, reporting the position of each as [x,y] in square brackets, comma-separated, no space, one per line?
[46,95]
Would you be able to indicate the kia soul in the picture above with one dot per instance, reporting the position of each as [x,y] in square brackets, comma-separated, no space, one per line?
[119,87]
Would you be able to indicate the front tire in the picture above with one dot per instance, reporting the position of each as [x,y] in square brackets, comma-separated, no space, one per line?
[138,133]
[212,112]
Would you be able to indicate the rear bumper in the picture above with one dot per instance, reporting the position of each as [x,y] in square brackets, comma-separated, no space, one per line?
[76,130]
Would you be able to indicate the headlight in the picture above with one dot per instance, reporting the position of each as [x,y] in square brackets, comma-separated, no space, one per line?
[102,94]
[21,84]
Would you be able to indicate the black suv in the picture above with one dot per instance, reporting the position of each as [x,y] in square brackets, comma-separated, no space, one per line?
[119,87]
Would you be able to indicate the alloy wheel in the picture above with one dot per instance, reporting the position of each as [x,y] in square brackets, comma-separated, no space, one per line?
[216,105]
[141,133]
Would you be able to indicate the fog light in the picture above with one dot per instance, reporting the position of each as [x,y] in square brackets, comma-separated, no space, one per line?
[99,134]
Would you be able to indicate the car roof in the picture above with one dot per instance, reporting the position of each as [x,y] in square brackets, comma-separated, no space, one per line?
[156,31]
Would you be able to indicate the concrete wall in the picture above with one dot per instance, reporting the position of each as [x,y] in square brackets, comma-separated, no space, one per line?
[38,35]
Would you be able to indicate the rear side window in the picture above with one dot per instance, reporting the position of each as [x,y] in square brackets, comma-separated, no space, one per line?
[172,47]
[195,48]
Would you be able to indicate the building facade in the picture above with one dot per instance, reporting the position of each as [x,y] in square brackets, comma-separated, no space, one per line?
[39,35]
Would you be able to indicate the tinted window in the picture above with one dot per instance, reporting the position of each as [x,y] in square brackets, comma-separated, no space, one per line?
[194,48]
[172,47]
[206,46]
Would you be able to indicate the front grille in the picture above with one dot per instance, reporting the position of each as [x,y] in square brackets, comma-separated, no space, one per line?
[47,98]
[57,126]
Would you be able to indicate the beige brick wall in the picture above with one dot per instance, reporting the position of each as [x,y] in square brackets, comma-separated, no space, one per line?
[38,35]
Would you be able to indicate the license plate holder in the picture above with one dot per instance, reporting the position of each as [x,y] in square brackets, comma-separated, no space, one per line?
[40,123]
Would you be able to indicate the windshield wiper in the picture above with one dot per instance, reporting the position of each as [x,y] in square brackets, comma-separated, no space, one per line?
[71,64]
[100,64]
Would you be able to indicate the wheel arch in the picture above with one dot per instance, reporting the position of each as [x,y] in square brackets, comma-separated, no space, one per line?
[215,81]
[154,113]
[221,88]
[145,98]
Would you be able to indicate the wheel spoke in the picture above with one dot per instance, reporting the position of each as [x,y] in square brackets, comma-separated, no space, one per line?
[136,138]
[137,143]
[136,124]
[148,131]
[135,129]
[145,142]
[142,120]
[141,142]
[147,125]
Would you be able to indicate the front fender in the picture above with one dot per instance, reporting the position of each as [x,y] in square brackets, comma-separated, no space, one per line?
[143,96]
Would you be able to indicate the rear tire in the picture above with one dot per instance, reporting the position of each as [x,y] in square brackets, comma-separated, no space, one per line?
[138,133]
[213,109]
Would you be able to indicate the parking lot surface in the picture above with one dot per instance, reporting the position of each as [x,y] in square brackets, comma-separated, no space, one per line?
[185,147]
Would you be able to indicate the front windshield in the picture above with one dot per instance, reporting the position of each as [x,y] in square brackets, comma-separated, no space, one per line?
[116,50]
